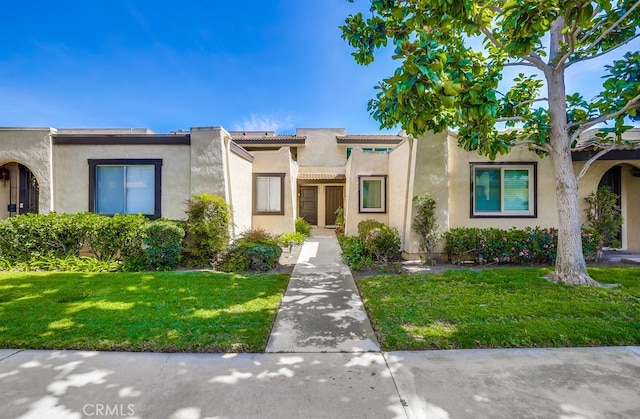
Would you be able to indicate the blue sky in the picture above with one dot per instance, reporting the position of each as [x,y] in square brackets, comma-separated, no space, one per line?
[163,65]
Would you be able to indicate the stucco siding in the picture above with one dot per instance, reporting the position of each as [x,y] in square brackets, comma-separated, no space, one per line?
[71,174]
[460,190]
[208,165]
[30,147]
[630,196]
[364,164]
[321,147]
[401,165]
[240,200]
[278,161]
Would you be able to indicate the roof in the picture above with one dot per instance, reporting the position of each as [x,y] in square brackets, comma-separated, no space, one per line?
[369,139]
[269,139]
[322,177]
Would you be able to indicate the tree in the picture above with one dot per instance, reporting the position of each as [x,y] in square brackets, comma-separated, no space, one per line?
[443,82]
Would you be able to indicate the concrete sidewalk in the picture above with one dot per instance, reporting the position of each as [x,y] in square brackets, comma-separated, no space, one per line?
[502,383]
[321,310]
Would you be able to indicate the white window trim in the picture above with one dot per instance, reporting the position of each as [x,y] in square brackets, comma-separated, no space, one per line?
[383,180]
[530,213]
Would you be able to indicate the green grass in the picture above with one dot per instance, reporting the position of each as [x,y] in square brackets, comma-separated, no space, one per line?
[163,311]
[502,308]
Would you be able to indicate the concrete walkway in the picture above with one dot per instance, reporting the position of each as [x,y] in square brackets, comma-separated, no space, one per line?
[578,383]
[320,367]
[321,310]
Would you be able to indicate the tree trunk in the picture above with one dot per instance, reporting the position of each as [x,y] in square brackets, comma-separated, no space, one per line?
[571,267]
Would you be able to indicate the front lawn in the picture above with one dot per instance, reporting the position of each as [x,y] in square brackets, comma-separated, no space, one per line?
[163,311]
[502,308]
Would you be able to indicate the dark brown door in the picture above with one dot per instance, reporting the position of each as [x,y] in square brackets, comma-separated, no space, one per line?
[309,204]
[28,192]
[333,201]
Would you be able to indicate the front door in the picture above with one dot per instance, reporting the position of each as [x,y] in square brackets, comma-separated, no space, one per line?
[333,201]
[308,207]
[613,179]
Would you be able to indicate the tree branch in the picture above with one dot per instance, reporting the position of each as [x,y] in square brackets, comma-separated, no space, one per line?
[612,27]
[589,162]
[492,38]
[511,119]
[533,144]
[519,63]
[528,102]
[626,41]
[585,125]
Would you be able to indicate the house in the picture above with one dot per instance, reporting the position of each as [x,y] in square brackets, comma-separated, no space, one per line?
[268,180]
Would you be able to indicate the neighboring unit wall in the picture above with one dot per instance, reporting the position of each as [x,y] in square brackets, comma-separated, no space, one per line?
[30,147]
[321,148]
[460,189]
[240,179]
[401,175]
[363,164]
[630,194]
[276,162]
[71,174]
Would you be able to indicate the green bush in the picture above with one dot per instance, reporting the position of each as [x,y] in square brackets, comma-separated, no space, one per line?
[35,235]
[303,227]
[64,264]
[377,244]
[286,238]
[117,237]
[529,246]
[355,253]
[255,250]
[384,244]
[207,229]
[365,227]
[163,243]
[424,223]
[603,215]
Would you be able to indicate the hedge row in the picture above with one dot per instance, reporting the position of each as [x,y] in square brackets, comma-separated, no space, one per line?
[529,246]
[131,240]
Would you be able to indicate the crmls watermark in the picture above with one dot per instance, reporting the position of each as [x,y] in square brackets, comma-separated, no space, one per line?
[116,409]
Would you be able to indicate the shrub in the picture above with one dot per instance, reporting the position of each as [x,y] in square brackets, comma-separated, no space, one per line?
[424,223]
[603,215]
[163,243]
[286,238]
[529,246]
[365,227]
[383,243]
[207,229]
[117,237]
[255,250]
[355,253]
[303,227]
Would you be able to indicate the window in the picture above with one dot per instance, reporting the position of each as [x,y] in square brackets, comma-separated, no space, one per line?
[268,189]
[125,186]
[503,190]
[373,194]
[371,150]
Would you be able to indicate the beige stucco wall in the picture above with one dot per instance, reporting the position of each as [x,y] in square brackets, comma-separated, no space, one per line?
[630,199]
[400,187]
[240,198]
[208,162]
[30,147]
[321,148]
[71,174]
[366,164]
[278,161]
[460,189]
[431,173]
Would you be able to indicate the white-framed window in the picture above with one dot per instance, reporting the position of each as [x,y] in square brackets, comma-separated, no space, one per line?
[503,190]
[373,193]
[268,195]
[125,186]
